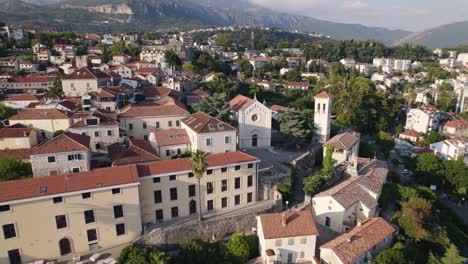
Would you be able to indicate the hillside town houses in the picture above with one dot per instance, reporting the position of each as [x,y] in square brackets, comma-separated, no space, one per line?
[111,136]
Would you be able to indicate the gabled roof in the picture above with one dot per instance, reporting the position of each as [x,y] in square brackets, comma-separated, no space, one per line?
[185,164]
[171,137]
[152,109]
[86,73]
[104,119]
[63,143]
[23,97]
[456,124]
[355,243]
[298,223]
[372,177]
[240,102]
[323,95]
[412,133]
[278,108]
[16,153]
[161,92]
[137,151]
[203,123]
[61,184]
[15,131]
[39,114]
[343,141]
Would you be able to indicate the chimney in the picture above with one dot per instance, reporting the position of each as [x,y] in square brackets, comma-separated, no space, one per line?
[359,222]
[283,219]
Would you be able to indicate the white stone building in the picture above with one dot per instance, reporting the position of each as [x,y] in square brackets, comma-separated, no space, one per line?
[341,207]
[360,245]
[345,146]
[424,119]
[451,148]
[209,134]
[287,237]
[254,120]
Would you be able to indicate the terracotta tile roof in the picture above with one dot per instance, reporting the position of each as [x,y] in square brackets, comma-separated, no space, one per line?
[185,164]
[142,110]
[68,105]
[344,140]
[61,184]
[105,93]
[34,78]
[86,73]
[171,137]
[39,114]
[22,154]
[411,133]
[161,92]
[23,97]
[357,242]
[15,131]
[456,124]
[146,70]
[203,123]
[63,143]
[356,189]
[303,84]
[137,151]
[323,95]
[240,102]
[298,223]
[104,119]
[278,108]
[200,93]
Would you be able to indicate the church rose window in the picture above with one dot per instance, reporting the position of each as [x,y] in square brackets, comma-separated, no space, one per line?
[254,117]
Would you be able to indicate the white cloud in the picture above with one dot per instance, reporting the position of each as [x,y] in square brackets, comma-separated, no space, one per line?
[355,5]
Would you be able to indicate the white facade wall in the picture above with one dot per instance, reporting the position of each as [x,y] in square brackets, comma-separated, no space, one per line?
[255,120]
[42,167]
[322,118]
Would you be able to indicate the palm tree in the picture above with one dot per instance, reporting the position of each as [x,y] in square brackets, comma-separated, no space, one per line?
[198,169]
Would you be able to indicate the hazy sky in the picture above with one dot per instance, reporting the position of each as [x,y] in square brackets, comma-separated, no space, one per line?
[415,15]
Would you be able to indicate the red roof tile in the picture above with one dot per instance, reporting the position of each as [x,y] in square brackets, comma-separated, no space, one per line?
[456,124]
[137,151]
[61,184]
[349,246]
[185,164]
[39,114]
[15,132]
[86,73]
[23,97]
[203,123]
[16,153]
[63,143]
[171,137]
[142,110]
[298,223]
[240,102]
[323,95]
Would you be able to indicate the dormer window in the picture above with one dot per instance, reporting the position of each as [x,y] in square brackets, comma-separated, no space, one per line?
[210,126]
[91,122]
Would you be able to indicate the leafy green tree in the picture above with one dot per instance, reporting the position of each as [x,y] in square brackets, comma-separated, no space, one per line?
[413,216]
[199,166]
[189,67]
[81,50]
[313,183]
[433,137]
[118,48]
[14,169]
[386,141]
[221,84]
[106,55]
[56,90]
[5,113]
[223,40]
[172,58]
[455,172]
[142,255]
[429,169]
[217,106]
[296,124]
[238,249]
[452,256]
[393,255]
[134,51]
[200,252]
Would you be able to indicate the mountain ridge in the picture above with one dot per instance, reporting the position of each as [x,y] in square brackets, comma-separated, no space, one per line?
[177,14]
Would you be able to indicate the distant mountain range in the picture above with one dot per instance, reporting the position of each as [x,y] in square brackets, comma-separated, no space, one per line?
[449,35]
[165,15]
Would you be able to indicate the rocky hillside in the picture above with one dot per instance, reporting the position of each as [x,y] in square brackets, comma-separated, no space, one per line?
[152,15]
[445,36]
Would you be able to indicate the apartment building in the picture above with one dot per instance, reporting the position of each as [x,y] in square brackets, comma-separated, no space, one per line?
[360,245]
[209,134]
[84,81]
[66,153]
[169,191]
[20,101]
[36,83]
[457,128]
[56,217]
[140,119]
[45,121]
[102,129]
[341,207]
[287,237]
[424,119]
[452,148]
[105,100]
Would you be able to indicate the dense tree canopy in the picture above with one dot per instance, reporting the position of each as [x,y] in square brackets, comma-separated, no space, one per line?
[14,169]
[217,106]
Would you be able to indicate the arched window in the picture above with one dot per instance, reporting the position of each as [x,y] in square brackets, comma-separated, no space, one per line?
[65,246]
[318,108]
[193,207]
[254,140]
